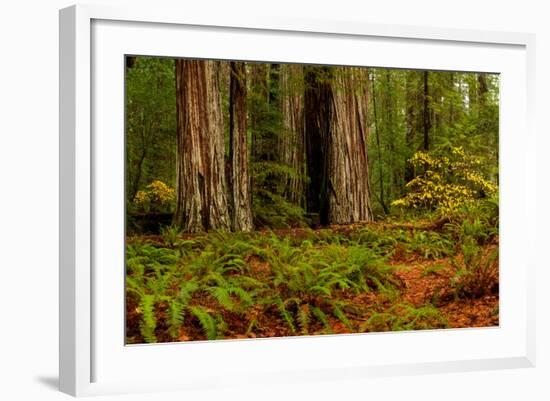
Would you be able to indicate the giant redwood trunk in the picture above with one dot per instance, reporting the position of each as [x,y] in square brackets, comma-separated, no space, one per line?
[318,109]
[349,199]
[201,200]
[239,194]
[336,140]
[292,141]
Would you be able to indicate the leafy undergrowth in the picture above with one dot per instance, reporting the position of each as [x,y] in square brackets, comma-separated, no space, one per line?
[384,276]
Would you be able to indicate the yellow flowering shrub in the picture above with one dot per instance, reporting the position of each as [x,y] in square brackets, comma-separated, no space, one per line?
[445,183]
[157,196]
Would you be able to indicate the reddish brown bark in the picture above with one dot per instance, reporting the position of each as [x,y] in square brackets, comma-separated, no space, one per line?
[336,137]
[292,142]
[348,164]
[201,200]
[240,195]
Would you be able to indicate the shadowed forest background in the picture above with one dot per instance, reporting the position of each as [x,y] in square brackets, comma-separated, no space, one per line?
[282,199]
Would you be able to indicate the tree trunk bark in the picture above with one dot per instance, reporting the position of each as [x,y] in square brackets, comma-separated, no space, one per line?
[389,105]
[426,113]
[378,127]
[481,91]
[201,199]
[411,120]
[318,109]
[292,141]
[258,100]
[240,196]
[349,197]
[336,140]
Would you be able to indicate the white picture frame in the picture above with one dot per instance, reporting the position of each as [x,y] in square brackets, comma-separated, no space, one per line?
[93,357]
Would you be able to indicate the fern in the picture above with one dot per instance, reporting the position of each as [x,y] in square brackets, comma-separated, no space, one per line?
[250,283]
[223,297]
[322,317]
[340,315]
[319,289]
[285,314]
[187,289]
[149,321]
[405,317]
[303,318]
[243,295]
[175,318]
[207,322]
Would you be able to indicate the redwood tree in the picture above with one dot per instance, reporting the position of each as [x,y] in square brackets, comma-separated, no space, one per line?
[318,109]
[292,141]
[348,165]
[336,140]
[201,198]
[239,180]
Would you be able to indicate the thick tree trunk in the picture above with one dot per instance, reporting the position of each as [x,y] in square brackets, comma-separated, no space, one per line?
[240,196]
[201,199]
[292,141]
[258,101]
[336,141]
[349,199]
[318,109]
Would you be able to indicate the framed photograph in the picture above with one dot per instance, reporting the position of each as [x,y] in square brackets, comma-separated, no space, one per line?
[278,200]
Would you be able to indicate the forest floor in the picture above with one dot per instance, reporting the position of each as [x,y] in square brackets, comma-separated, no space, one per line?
[340,279]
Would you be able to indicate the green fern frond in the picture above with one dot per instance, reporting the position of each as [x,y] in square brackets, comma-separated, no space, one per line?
[243,295]
[303,318]
[285,314]
[134,285]
[320,290]
[207,322]
[223,297]
[216,278]
[175,318]
[340,315]
[250,283]
[148,321]
[187,288]
[322,317]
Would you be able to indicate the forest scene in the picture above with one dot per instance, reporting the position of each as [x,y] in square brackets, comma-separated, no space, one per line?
[271,200]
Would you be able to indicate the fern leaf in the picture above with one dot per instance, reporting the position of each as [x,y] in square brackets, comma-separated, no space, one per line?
[340,315]
[322,317]
[303,318]
[148,321]
[207,322]
[223,297]
[175,318]
[244,296]
[285,314]
[320,289]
